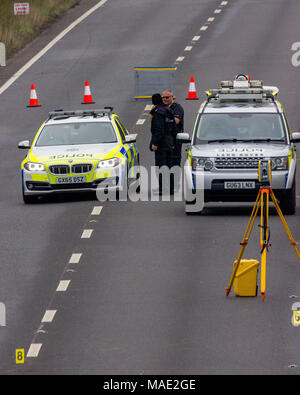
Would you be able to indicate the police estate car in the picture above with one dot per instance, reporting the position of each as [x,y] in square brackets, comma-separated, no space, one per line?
[238,125]
[78,151]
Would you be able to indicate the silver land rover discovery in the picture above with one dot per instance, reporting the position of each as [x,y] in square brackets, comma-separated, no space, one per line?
[238,125]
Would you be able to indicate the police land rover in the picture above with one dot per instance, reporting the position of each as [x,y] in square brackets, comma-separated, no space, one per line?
[238,125]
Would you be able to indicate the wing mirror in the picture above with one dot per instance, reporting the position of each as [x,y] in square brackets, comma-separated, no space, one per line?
[183,138]
[130,138]
[24,144]
[295,137]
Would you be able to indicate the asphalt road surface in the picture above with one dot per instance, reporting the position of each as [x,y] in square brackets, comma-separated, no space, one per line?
[147,293]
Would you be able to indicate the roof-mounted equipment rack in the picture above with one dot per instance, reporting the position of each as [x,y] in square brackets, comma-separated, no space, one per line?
[242,89]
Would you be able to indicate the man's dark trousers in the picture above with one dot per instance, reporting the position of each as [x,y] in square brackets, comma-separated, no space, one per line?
[164,158]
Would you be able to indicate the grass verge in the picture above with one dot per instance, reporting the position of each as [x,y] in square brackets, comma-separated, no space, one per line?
[18,30]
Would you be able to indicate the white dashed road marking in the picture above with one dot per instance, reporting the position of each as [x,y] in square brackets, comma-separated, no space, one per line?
[87,233]
[140,121]
[75,258]
[203,28]
[34,350]
[49,315]
[97,210]
[63,285]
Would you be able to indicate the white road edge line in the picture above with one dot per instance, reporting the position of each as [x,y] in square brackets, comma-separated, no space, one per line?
[49,315]
[63,285]
[34,350]
[87,233]
[49,46]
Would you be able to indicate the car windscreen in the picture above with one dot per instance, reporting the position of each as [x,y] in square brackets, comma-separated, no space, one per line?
[76,133]
[239,127]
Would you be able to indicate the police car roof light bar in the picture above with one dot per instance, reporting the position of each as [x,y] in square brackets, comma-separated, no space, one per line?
[80,113]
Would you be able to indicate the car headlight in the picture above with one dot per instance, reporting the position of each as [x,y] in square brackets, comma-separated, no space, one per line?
[108,163]
[280,163]
[205,163]
[32,166]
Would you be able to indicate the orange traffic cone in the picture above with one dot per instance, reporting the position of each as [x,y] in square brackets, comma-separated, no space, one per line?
[87,99]
[192,94]
[33,101]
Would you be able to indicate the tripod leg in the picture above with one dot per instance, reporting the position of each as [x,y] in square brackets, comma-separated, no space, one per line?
[279,212]
[244,242]
[264,233]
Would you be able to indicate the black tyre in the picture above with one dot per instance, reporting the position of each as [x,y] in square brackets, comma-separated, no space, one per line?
[288,201]
[30,199]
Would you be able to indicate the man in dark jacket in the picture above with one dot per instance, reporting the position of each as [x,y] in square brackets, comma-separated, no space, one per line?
[162,140]
[178,112]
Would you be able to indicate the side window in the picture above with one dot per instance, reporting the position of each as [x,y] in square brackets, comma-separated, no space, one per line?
[120,130]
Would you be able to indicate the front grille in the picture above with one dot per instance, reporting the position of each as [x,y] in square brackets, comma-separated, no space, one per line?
[85,185]
[59,169]
[237,162]
[82,168]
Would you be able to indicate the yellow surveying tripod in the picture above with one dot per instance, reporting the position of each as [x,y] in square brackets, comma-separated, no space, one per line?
[262,202]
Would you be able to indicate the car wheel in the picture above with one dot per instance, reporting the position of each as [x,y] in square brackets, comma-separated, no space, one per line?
[28,199]
[189,208]
[287,203]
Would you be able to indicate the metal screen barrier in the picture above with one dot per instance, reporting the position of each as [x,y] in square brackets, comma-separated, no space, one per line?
[150,80]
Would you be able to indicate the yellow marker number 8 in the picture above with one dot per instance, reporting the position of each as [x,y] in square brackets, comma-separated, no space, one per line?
[20,355]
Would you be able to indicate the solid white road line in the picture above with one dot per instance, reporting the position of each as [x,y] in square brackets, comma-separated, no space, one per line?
[49,46]
[86,234]
[34,350]
[49,315]
[63,285]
